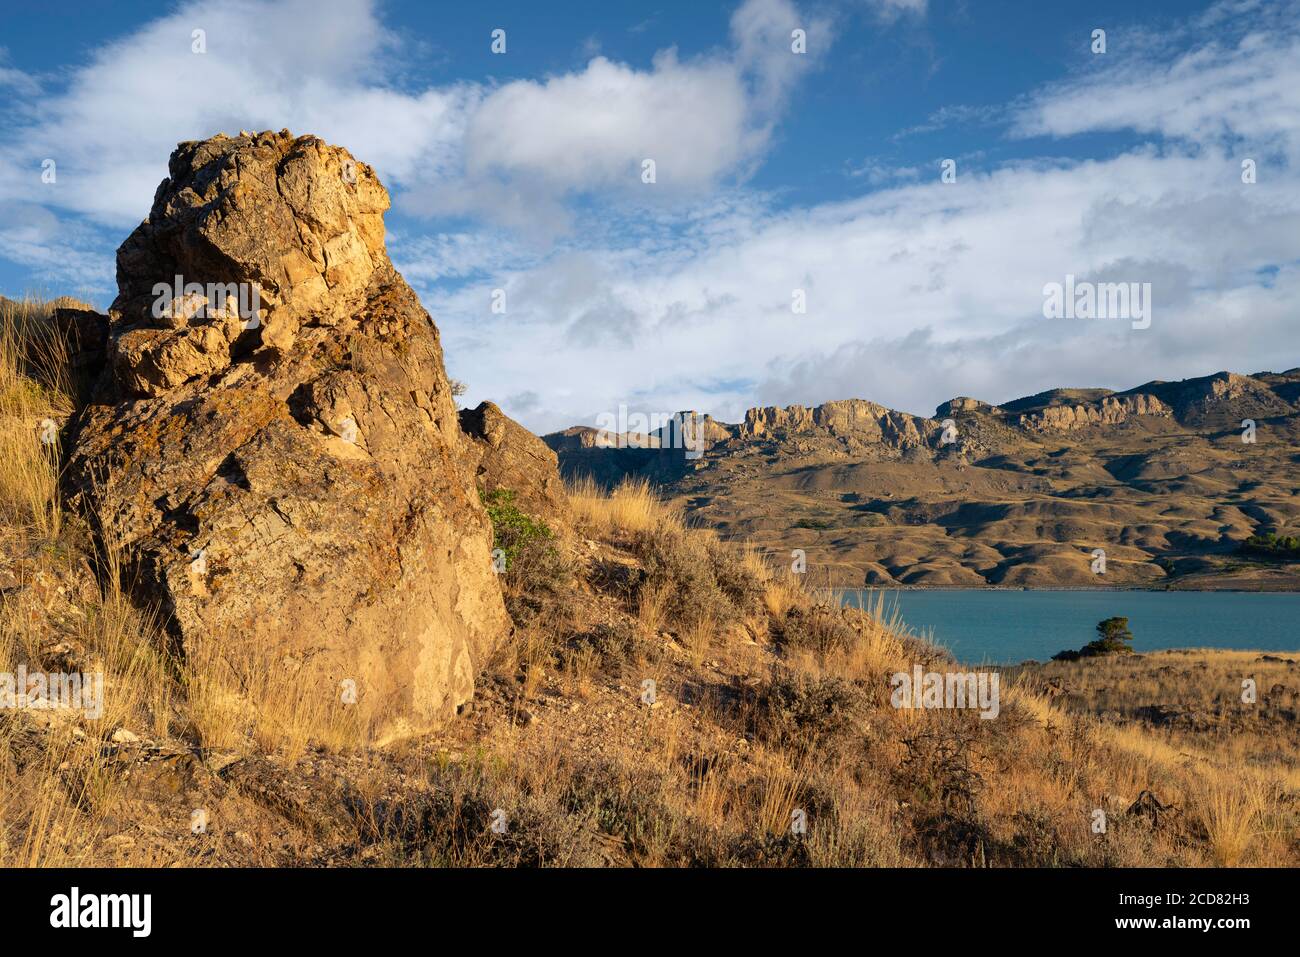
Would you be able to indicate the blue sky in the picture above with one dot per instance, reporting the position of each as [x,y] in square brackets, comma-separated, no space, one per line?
[776,172]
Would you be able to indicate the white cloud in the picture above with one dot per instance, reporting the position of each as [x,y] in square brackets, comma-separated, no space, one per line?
[1239,85]
[512,153]
[914,295]
[530,144]
[591,130]
[16,81]
[762,31]
[303,64]
[63,256]
[892,9]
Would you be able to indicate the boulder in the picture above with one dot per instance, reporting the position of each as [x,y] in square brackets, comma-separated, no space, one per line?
[501,453]
[278,459]
[962,405]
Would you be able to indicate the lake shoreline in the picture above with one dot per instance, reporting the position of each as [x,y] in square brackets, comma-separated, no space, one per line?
[989,625]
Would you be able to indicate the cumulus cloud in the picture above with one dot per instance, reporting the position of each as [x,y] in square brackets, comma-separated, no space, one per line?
[530,144]
[591,130]
[913,294]
[296,63]
[513,154]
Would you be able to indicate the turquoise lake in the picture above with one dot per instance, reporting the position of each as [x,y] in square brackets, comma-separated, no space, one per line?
[1006,627]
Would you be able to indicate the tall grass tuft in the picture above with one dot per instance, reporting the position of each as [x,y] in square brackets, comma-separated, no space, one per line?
[1229,814]
[35,397]
[629,508]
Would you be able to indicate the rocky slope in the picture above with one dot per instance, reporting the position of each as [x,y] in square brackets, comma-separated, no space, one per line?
[1014,495]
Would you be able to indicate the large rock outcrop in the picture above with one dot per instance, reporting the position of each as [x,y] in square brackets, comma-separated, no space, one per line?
[285,472]
[963,405]
[859,419]
[1111,410]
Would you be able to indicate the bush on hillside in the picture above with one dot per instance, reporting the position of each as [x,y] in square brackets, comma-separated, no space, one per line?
[538,577]
[820,628]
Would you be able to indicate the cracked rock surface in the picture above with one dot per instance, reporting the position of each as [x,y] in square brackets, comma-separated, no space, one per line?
[289,485]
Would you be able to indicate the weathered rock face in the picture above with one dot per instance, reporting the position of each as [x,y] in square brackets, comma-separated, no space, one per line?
[83,335]
[503,454]
[1109,411]
[858,418]
[695,430]
[291,480]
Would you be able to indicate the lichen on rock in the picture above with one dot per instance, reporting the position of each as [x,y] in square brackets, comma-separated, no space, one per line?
[292,481]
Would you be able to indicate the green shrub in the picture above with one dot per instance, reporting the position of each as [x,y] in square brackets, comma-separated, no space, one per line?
[538,577]
[512,530]
[814,523]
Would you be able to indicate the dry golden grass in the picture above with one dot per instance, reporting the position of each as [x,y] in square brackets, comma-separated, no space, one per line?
[35,395]
[652,608]
[755,563]
[536,657]
[236,700]
[1029,781]
[782,785]
[1229,814]
[53,812]
[710,781]
[1238,776]
[782,594]
[698,638]
[879,647]
[34,369]
[631,507]
[578,670]
[29,477]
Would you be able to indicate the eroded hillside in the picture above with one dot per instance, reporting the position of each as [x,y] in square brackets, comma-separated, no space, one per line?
[1168,479]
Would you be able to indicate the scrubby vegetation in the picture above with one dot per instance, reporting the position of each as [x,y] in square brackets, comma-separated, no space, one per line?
[536,575]
[512,530]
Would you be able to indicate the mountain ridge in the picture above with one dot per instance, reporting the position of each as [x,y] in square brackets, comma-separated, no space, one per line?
[1168,478]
